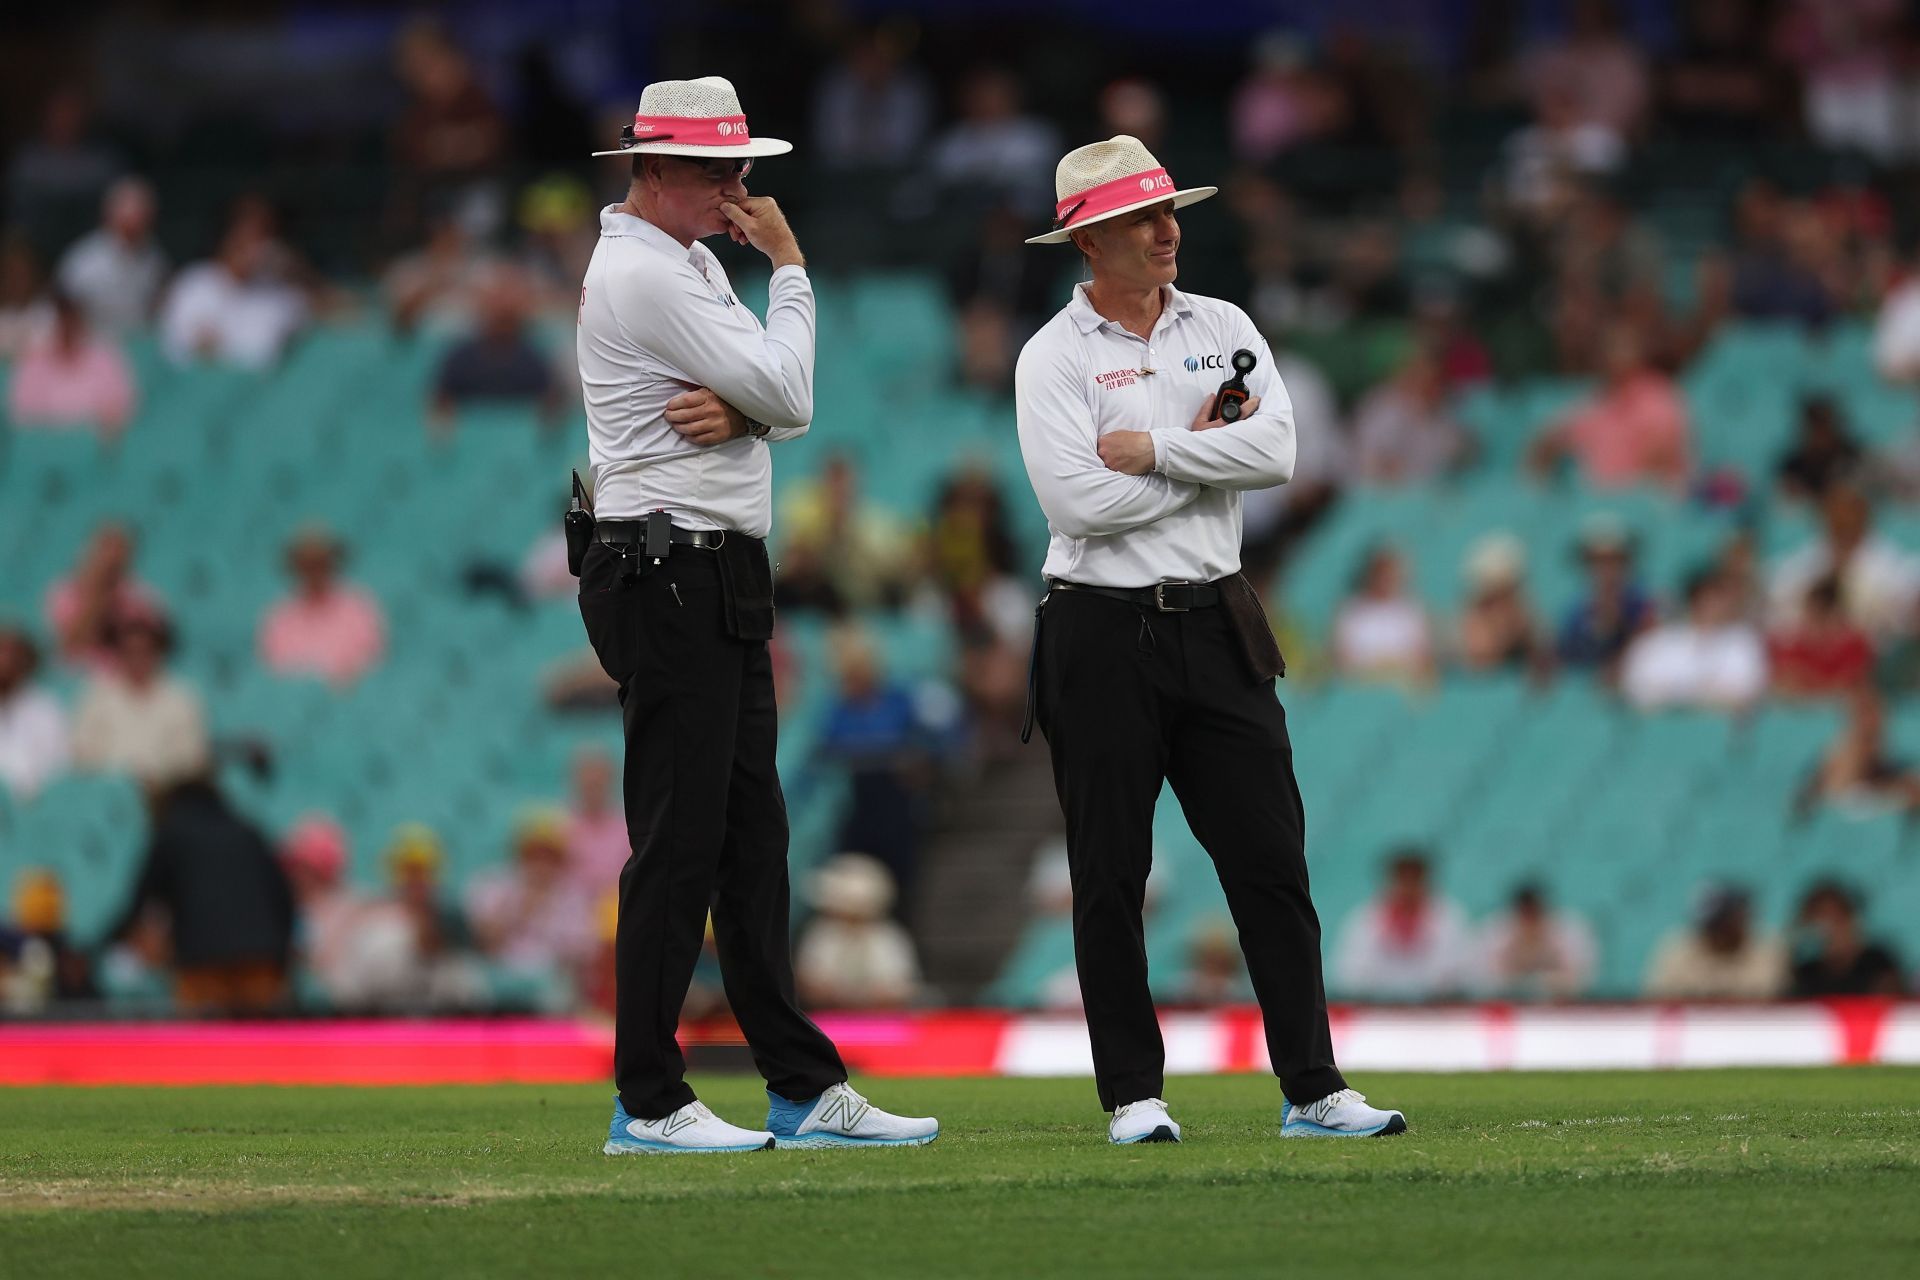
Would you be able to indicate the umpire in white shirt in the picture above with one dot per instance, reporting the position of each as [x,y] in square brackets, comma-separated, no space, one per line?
[1153,661]
[684,392]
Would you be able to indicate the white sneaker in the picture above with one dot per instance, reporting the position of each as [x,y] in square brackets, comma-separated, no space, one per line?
[840,1117]
[1341,1114]
[692,1130]
[1143,1121]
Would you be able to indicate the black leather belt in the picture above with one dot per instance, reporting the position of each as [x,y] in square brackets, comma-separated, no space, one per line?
[621,533]
[1161,597]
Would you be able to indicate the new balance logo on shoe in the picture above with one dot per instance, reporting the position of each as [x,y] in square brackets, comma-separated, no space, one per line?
[843,1111]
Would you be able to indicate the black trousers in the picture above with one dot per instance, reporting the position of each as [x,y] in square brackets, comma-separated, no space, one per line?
[1129,698]
[709,830]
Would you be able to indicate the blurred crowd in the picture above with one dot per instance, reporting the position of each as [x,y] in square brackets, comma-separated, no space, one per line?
[1407,222]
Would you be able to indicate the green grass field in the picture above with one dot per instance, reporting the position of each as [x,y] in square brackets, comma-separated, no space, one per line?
[1702,1173]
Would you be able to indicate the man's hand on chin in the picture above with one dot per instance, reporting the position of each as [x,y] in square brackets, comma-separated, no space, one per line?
[1128,452]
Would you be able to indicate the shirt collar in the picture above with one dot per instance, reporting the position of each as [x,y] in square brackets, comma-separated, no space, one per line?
[616,221]
[1086,319]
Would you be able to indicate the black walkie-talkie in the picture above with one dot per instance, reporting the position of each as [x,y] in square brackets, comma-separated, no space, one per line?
[1233,394]
[579,526]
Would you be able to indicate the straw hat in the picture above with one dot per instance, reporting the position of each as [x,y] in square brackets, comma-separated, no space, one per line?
[1106,179]
[693,118]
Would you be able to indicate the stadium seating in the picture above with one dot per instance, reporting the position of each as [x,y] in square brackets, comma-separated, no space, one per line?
[1619,816]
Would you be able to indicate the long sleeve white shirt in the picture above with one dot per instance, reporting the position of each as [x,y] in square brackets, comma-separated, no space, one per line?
[657,319]
[1083,376]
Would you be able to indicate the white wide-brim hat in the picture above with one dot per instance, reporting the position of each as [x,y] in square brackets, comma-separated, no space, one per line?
[1106,179]
[693,118]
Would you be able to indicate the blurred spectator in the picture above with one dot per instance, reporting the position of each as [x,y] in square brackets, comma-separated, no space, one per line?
[561,229]
[531,917]
[1602,71]
[134,717]
[1533,952]
[1846,52]
[115,270]
[1546,161]
[1381,632]
[39,964]
[1896,332]
[1135,107]
[1406,944]
[1832,954]
[84,608]
[853,954]
[843,550]
[327,913]
[1722,81]
[55,179]
[1821,653]
[450,139]
[408,951]
[872,109]
[228,903]
[1738,563]
[25,313]
[434,287]
[995,153]
[873,730]
[1281,102]
[1720,957]
[1001,270]
[500,362]
[1823,454]
[1879,580]
[970,541]
[1897,673]
[1614,610]
[1216,971]
[987,347]
[1710,659]
[235,308]
[325,628]
[1498,629]
[597,842]
[1633,431]
[71,378]
[1856,773]
[1777,255]
[1404,432]
[34,748]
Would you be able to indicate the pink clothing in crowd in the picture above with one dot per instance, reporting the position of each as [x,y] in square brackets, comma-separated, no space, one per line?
[598,847]
[130,600]
[90,387]
[1622,435]
[337,637]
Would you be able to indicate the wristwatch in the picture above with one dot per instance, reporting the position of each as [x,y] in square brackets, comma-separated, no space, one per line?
[757,430]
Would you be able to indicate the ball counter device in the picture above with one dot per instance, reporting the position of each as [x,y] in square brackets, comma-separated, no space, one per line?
[1233,393]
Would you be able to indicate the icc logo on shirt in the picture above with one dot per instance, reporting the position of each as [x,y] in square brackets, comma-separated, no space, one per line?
[1196,363]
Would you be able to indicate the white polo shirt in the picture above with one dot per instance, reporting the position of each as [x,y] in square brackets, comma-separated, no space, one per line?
[657,319]
[1082,376]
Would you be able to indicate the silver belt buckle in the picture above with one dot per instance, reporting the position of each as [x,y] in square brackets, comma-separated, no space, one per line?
[1160,597]
[709,539]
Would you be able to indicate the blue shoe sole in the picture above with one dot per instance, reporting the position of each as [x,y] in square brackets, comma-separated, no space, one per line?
[1160,1133]
[1307,1129]
[635,1147]
[821,1141]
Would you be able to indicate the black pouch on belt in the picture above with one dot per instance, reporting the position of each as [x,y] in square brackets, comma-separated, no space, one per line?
[579,526]
[746,586]
[1258,648]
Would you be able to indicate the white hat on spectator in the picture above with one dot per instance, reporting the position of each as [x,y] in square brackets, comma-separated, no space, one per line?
[693,118]
[1496,560]
[1106,179]
[852,884]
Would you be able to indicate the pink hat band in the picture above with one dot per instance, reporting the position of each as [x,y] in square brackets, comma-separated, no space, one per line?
[695,131]
[1097,201]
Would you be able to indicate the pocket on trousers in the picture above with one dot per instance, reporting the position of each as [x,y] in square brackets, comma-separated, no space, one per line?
[610,608]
